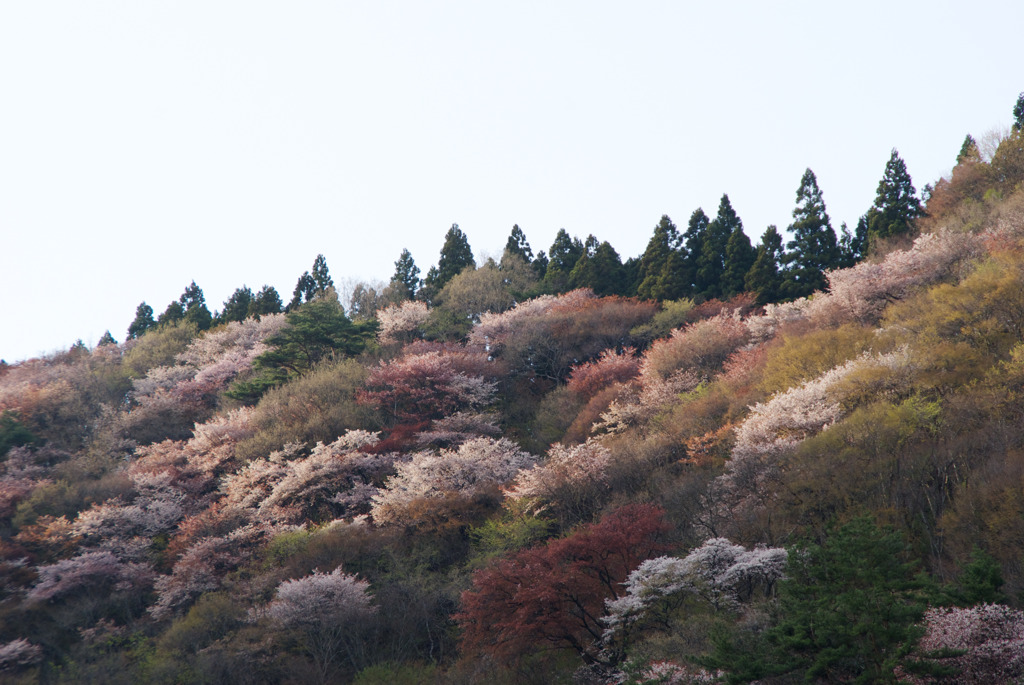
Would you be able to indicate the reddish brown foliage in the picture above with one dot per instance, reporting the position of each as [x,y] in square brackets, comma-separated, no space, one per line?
[589,379]
[553,595]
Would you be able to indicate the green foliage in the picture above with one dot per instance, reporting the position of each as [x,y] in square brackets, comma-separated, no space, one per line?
[814,247]
[739,258]
[237,307]
[562,257]
[13,433]
[673,314]
[194,308]
[848,612]
[1018,113]
[318,406]
[663,243]
[980,581]
[392,673]
[456,256]
[143,321]
[896,204]
[518,245]
[515,529]
[599,269]
[711,262]
[968,151]
[158,347]
[763,277]
[406,278]
[316,331]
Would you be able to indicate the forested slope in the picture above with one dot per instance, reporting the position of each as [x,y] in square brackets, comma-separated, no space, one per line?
[703,464]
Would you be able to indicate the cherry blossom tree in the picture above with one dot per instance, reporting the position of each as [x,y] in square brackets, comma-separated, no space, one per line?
[18,654]
[327,611]
[401,323]
[473,467]
[981,644]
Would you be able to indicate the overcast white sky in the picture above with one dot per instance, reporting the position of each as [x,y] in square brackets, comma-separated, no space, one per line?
[145,144]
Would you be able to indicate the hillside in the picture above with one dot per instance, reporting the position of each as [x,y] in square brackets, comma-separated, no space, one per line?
[517,479]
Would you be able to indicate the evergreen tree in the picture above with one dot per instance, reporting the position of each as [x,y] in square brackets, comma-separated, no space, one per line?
[849,612]
[562,258]
[143,321]
[517,245]
[711,263]
[407,275]
[739,258]
[599,268]
[316,331]
[764,277]
[540,264]
[662,244]
[106,339]
[266,301]
[968,150]
[194,304]
[456,256]
[1018,113]
[305,291]
[322,280]
[173,314]
[851,245]
[896,204]
[814,247]
[692,248]
[238,306]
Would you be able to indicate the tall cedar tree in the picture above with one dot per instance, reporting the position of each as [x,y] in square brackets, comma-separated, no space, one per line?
[143,321]
[764,277]
[1018,113]
[236,307]
[711,263]
[266,301]
[896,203]
[739,257]
[562,257]
[312,285]
[814,247]
[599,269]
[407,275]
[194,307]
[662,244]
[518,245]
[456,256]
[968,151]
[692,247]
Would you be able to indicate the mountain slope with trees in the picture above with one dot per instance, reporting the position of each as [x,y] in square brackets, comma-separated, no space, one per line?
[713,462]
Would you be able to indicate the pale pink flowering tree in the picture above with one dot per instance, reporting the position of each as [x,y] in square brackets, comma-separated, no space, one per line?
[328,612]
[720,572]
[470,468]
[400,323]
[570,479]
[590,378]
[94,573]
[701,347]
[985,643]
[19,653]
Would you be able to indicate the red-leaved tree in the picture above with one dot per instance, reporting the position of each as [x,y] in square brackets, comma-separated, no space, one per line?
[553,595]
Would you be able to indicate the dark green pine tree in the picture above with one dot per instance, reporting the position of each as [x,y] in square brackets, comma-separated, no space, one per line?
[968,151]
[562,258]
[711,263]
[662,244]
[849,611]
[456,255]
[106,339]
[322,280]
[266,301]
[764,277]
[739,258]
[1018,113]
[238,306]
[540,265]
[143,321]
[599,268]
[518,245]
[692,247]
[173,314]
[305,291]
[814,247]
[407,275]
[896,203]
[195,310]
